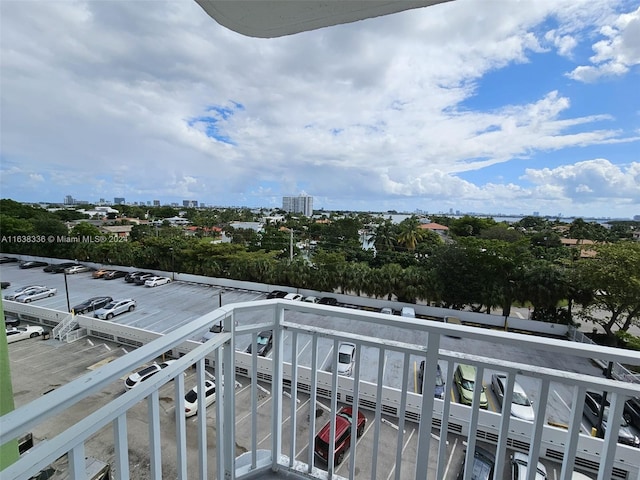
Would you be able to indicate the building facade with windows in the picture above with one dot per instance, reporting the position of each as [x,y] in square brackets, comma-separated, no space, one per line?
[300,204]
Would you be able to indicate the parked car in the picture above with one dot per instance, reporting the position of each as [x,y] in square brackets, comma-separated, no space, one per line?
[293,296]
[483,465]
[11,321]
[346,358]
[191,398]
[4,285]
[520,467]
[592,403]
[438,390]
[22,290]
[157,281]
[408,312]
[31,295]
[521,406]
[53,268]
[387,310]
[140,376]
[90,305]
[264,342]
[115,307]
[131,277]
[21,333]
[114,274]
[4,259]
[311,299]
[32,264]
[76,269]
[328,301]
[632,411]
[101,272]
[276,294]
[465,378]
[141,279]
[343,421]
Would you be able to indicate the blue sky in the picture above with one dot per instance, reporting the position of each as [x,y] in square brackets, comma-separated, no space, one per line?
[512,108]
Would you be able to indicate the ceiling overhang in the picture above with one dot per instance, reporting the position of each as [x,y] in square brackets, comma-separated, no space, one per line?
[276,18]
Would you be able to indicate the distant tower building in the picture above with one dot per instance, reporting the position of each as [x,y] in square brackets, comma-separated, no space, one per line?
[69,200]
[118,200]
[190,203]
[156,203]
[301,204]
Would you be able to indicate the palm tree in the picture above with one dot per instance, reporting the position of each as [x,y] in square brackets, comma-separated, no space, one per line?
[384,237]
[410,233]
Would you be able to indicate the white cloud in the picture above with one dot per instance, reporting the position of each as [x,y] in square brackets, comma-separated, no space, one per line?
[99,98]
[598,178]
[617,53]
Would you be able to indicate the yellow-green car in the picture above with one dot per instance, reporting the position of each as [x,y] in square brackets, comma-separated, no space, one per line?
[465,378]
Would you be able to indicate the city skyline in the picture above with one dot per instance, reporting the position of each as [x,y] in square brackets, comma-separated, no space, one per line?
[419,212]
[527,107]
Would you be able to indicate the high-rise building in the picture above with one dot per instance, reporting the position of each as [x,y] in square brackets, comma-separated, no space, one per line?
[69,200]
[118,200]
[300,204]
[156,203]
[190,203]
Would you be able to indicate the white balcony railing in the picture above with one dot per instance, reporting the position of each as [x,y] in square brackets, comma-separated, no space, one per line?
[296,370]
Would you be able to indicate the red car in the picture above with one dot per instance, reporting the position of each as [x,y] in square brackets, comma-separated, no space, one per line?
[344,419]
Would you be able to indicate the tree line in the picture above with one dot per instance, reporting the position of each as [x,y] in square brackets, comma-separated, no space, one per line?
[480,264]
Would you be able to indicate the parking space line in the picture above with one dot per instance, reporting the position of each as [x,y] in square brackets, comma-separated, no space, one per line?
[358,440]
[241,419]
[327,358]
[490,400]
[582,427]
[406,444]
[453,450]
[303,348]
[286,420]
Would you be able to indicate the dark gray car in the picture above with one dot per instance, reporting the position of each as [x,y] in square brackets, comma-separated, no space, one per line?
[592,402]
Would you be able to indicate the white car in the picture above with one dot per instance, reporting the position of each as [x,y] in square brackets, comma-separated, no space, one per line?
[521,406]
[191,398]
[76,269]
[156,281]
[37,294]
[140,376]
[22,290]
[293,296]
[311,299]
[519,467]
[116,307]
[346,358]
[22,333]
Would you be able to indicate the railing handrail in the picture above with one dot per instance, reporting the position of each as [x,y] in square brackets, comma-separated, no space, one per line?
[20,421]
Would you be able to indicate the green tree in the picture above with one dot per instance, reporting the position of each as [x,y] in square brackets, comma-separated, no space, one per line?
[613,276]
[384,238]
[469,226]
[410,233]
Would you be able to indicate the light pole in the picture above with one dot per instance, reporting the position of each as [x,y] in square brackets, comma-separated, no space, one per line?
[66,289]
[172,264]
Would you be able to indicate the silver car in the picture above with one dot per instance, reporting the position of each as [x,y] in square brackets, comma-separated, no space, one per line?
[116,307]
[521,406]
[22,291]
[37,294]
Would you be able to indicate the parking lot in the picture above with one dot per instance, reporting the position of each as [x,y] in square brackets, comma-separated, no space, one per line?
[40,366]
[163,308]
